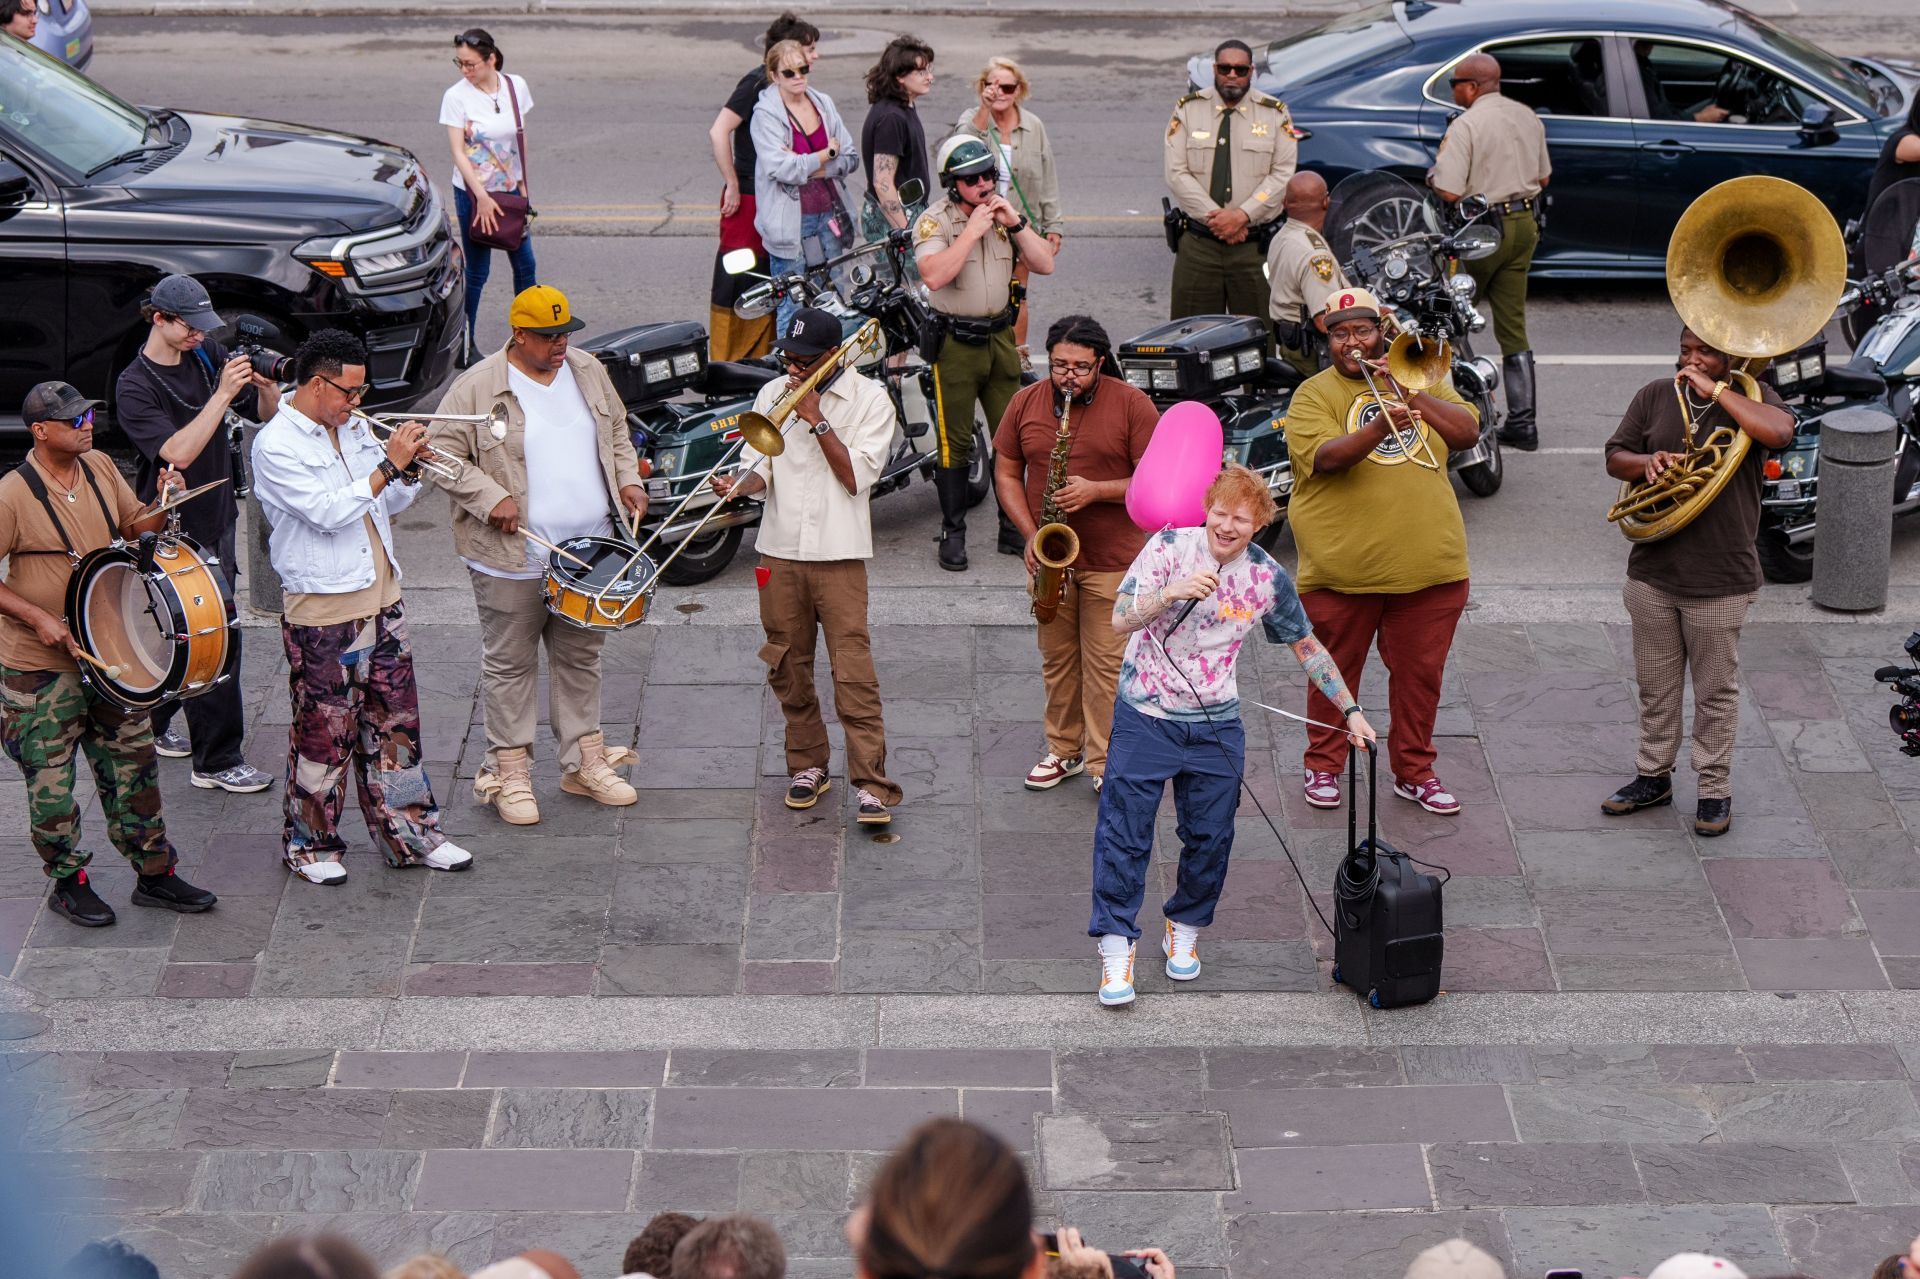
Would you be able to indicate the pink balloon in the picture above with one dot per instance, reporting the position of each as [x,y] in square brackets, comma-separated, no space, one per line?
[1170,484]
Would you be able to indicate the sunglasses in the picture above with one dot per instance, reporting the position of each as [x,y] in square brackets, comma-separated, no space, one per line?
[81,423]
[1004,88]
[1459,80]
[1233,68]
[354,394]
[989,178]
[793,73]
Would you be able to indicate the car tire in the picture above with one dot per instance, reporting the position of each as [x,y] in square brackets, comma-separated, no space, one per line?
[1781,560]
[705,558]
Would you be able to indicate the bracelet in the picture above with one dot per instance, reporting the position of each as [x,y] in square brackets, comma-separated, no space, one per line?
[1351,711]
[388,469]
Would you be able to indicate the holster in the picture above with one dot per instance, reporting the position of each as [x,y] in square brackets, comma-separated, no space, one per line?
[933,332]
[1175,222]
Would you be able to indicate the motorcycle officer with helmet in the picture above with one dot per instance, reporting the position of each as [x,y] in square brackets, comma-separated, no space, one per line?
[966,245]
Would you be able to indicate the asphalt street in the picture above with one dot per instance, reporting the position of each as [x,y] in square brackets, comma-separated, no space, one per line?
[628,193]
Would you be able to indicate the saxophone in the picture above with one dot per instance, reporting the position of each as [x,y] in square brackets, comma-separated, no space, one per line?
[1055,546]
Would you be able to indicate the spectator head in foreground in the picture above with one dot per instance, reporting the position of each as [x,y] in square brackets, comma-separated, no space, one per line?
[428,1265]
[736,1246]
[109,1259]
[534,1263]
[1455,1259]
[1696,1265]
[309,1257]
[953,1199]
[651,1252]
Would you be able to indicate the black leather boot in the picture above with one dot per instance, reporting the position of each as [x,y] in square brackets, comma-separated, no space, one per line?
[951,484]
[1519,431]
[1642,792]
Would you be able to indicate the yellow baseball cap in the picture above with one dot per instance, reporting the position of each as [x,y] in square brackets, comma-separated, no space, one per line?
[544,309]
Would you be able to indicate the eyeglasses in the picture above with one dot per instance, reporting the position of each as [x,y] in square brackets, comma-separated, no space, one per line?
[1233,68]
[354,394]
[792,73]
[1079,368]
[1360,332]
[464,65]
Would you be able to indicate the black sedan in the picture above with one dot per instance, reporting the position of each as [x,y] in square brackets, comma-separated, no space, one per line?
[1647,103]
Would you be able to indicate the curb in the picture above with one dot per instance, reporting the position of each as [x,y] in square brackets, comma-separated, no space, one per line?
[1300,10]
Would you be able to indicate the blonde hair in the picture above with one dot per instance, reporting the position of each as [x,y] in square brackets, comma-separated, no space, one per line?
[781,52]
[1237,486]
[428,1265]
[1012,68]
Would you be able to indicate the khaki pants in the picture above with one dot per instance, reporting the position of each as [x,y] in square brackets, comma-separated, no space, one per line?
[1080,661]
[801,599]
[1672,635]
[513,624]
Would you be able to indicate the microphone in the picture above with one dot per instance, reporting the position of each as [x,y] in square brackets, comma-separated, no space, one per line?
[1891,674]
[1182,617]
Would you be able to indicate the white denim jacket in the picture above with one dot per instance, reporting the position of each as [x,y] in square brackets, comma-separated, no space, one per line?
[315,497]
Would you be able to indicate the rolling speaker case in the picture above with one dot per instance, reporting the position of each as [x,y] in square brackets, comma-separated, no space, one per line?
[1388,940]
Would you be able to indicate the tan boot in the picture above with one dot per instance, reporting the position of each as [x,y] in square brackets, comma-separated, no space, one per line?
[508,786]
[595,777]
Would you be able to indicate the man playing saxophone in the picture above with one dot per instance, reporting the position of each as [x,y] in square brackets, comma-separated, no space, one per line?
[1064,454]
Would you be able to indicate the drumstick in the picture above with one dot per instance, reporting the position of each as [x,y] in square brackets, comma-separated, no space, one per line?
[111,671]
[539,541]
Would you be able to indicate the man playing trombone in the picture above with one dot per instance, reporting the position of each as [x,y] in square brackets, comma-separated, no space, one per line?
[330,489]
[560,466]
[815,540]
[1383,551]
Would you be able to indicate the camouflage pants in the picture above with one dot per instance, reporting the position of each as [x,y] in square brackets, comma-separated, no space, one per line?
[354,704]
[43,716]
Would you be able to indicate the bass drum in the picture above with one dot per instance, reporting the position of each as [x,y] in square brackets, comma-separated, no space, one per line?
[166,628]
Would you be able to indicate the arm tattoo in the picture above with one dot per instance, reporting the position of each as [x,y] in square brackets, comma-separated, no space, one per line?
[1318,663]
[885,193]
[1134,611]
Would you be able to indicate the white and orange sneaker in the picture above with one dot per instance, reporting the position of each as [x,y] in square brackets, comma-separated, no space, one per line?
[1116,970]
[1181,946]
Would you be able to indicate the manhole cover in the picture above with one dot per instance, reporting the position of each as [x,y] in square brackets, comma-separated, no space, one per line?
[689,609]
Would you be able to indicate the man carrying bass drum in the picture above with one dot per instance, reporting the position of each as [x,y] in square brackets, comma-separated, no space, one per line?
[562,466]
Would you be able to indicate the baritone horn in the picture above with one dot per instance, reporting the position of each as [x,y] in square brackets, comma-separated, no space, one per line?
[1755,267]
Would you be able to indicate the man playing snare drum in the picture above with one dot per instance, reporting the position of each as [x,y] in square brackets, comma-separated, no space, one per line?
[63,502]
[562,467]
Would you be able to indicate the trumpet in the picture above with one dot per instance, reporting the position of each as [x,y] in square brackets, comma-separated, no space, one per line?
[448,469]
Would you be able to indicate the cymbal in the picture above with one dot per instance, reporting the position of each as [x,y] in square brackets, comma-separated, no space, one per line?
[182,497]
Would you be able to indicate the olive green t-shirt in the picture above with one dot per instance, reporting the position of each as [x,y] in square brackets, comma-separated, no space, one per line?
[1387,525]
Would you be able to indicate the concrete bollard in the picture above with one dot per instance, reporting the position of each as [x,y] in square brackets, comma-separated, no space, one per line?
[1853,543]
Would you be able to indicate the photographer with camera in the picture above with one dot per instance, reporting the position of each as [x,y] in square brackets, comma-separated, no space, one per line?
[180,403]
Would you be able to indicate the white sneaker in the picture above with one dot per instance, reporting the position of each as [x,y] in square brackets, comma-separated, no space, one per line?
[448,856]
[1116,970]
[1181,946]
[321,872]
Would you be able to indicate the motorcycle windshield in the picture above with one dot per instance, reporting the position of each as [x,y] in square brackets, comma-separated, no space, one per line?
[1377,208]
[1887,230]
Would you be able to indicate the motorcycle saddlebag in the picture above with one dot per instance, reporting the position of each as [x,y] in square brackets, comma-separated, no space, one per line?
[1388,939]
[653,362]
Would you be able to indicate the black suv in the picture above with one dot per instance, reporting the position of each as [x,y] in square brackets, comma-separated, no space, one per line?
[300,228]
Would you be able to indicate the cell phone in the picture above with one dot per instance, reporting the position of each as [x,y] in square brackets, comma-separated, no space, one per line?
[1565,1274]
[1123,1267]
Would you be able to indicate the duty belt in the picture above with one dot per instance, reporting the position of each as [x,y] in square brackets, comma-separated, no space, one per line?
[1524,205]
[979,330]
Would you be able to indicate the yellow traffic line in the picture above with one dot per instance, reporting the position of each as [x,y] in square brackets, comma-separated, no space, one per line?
[639,212]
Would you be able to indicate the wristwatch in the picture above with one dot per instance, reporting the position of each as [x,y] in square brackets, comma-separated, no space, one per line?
[821,427]
[1017,228]
[1351,711]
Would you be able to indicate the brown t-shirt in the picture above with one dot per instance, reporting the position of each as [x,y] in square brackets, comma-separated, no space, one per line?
[1108,438]
[1714,555]
[42,579]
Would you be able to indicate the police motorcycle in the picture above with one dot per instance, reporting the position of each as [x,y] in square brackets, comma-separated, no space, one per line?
[1396,243]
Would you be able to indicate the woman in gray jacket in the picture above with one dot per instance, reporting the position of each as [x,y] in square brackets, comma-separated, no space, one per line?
[802,154]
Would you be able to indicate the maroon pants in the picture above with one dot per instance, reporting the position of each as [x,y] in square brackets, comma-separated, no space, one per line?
[1415,631]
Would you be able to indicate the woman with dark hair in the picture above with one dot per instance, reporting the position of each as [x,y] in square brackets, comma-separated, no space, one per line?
[483,113]
[309,1257]
[893,140]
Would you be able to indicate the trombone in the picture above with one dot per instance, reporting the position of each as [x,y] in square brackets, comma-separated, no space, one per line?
[448,469]
[1414,363]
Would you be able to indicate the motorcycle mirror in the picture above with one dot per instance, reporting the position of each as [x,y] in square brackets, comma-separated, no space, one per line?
[756,301]
[1472,206]
[912,191]
[739,262]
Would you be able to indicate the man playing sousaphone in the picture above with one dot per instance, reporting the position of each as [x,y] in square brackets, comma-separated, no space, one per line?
[1064,454]
[64,501]
[1688,593]
[561,467]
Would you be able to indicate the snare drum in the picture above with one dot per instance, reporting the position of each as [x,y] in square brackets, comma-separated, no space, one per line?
[166,628]
[599,596]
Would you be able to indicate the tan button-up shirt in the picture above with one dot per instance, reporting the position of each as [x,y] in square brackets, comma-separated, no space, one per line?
[985,283]
[1301,271]
[1262,145]
[809,515]
[1496,148]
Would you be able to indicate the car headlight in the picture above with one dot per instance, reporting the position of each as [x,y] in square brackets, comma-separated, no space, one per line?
[1138,377]
[1462,285]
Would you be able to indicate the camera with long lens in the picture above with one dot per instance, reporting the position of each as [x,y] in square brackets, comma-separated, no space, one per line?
[1904,715]
[252,339]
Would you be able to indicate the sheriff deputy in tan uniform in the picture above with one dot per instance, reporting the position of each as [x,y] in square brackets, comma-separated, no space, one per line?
[1302,272]
[1497,149]
[1229,154]
[966,245]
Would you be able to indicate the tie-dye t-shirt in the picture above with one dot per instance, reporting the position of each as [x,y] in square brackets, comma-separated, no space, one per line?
[1253,588]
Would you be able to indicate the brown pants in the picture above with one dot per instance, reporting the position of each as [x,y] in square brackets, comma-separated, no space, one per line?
[514,622]
[1672,635]
[1415,631]
[1080,661]
[800,598]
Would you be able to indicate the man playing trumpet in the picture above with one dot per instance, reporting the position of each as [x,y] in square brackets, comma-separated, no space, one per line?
[1064,454]
[1688,593]
[561,466]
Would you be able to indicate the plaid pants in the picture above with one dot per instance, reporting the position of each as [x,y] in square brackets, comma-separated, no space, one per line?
[1672,635]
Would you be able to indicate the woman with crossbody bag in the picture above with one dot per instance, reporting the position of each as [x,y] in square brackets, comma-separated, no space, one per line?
[484,114]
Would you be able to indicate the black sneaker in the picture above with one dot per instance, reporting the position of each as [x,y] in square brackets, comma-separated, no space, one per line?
[872,811]
[805,789]
[74,897]
[1641,792]
[1712,817]
[173,893]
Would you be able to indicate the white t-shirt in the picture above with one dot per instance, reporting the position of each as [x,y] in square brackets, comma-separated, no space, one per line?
[566,491]
[492,147]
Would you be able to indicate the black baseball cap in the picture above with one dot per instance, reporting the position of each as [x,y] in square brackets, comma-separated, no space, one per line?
[813,333]
[186,297]
[55,402]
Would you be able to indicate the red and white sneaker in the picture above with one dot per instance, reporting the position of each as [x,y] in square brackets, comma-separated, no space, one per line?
[1323,789]
[1053,769]
[1430,795]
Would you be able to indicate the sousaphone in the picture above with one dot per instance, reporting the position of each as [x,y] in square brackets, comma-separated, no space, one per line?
[1755,267]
